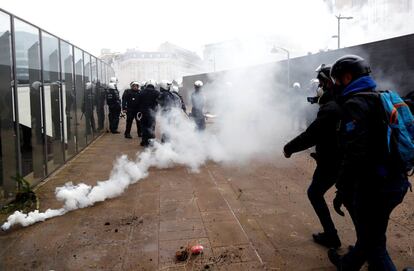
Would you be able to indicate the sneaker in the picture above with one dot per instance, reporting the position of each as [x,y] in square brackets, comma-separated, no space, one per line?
[327,240]
[128,136]
[334,257]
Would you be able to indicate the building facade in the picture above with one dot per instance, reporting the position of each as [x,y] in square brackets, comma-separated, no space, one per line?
[169,62]
[52,101]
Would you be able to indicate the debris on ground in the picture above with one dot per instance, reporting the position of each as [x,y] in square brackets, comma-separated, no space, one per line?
[240,193]
[184,252]
[226,257]
[197,249]
[181,255]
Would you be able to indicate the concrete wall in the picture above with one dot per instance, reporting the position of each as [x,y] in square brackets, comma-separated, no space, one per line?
[392,63]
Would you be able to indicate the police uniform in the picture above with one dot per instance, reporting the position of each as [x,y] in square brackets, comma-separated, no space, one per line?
[197,113]
[148,106]
[130,103]
[114,106]
[168,100]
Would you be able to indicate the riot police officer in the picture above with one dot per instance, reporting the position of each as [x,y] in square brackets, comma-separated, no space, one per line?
[114,106]
[371,181]
[168,100]
[130,105]
[148,107]
[175,89]
[197,101]
[100,104]
[321,133]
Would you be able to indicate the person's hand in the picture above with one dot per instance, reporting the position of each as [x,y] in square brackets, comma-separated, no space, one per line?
[287,155]
[337,203]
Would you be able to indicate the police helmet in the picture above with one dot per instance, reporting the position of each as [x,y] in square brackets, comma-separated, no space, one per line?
[198,83]
[165,85]
[353,64]
[296,85]
[111,86]
[175,88]
[151,82]
[134,83]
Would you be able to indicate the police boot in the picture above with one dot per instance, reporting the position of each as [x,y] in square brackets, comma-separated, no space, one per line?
[128,136]
[327,240]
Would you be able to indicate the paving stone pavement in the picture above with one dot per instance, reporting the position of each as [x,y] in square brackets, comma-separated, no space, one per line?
[250,217]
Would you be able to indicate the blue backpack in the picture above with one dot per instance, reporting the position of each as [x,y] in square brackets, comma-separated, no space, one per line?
[400,127]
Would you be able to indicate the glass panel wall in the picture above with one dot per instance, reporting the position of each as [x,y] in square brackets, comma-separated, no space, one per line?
[100,98]
[68,99]
[105,76]
[105,80]
[94,95]
[87,102]
[8,147]
[52,101]
[80,97]
[29,92]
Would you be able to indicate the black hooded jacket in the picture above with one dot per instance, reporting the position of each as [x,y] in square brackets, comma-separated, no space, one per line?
[367,164]
[321,133]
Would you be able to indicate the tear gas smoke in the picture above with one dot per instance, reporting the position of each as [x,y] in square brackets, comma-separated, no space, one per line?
[252,121]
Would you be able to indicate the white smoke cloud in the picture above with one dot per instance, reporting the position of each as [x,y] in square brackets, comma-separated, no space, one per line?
[252,122]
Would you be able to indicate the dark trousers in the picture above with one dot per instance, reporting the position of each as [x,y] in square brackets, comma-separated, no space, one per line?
[131,116]
[324,178]
[370,212]
[101,117]
[200,122]
[148,128]
[113,116]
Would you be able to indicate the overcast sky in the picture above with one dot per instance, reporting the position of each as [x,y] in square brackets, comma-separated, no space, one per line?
[121,24]
[300,25]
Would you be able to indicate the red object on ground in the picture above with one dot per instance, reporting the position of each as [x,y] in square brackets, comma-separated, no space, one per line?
[197,249]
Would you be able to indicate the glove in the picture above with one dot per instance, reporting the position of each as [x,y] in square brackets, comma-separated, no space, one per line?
[337,203]
[286,153]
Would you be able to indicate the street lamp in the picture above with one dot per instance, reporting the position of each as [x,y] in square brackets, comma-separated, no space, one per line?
[339,17]
[214,62]
[276,50]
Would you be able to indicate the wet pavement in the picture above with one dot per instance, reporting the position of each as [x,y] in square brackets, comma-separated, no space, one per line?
[250,217]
